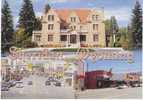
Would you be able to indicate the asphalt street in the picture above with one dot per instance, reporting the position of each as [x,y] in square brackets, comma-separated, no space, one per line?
[112,93]
[39,91]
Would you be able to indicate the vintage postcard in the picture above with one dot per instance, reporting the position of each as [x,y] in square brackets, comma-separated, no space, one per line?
[71,49]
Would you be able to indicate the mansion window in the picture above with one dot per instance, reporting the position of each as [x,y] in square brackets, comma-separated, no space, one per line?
[82,38]
[73,39]
[37,38]
[63,38]
[50,37]
[95,17]
[73,19]
[95,27]
[50,17]
[73,27]
[81,27]
[95,37]
[50,26]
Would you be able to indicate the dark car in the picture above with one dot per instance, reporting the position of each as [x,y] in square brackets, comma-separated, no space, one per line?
[30,83]
[6,84]
[12,83]
[50,79]
[47,83]
[4,88]
[57,83]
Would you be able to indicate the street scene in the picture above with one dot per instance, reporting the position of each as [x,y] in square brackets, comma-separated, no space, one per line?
[71,49]
[39,90]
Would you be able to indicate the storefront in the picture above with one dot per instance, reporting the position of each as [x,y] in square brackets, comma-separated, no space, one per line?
[97,79]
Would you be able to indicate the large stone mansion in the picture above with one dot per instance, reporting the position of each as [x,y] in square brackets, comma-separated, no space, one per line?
[71,28]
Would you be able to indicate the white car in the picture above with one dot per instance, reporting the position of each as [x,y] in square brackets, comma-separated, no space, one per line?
[19,85]
[122,86]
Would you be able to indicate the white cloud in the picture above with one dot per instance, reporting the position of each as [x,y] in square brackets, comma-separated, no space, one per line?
[61,1]
[16,18]
[38,14]
[121,14]
[58,1]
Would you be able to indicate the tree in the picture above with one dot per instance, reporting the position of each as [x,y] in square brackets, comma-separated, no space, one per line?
[22,40]
[19,37]
[111,29]
[136,25]
[27,17]
[38,24]
[124,38]
[113,26]
[130,38]
[6,27]
[107,31]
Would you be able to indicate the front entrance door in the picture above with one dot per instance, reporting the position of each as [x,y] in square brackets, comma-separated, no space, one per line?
[73,39]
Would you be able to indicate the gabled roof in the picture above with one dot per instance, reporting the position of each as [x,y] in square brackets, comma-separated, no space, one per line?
[81,13]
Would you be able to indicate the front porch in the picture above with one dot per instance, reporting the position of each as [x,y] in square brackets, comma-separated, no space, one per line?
[73,39]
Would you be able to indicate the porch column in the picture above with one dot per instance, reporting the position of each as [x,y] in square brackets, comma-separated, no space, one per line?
[78,39]
[68,39]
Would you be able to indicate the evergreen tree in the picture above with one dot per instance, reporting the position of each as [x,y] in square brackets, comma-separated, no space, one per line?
[6,27]
[130,38]
[107,31]
[114,25]
[112,28]
[136,25]
[38,24]
[27,17]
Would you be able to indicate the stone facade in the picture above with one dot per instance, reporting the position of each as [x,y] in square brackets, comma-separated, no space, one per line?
[71,28]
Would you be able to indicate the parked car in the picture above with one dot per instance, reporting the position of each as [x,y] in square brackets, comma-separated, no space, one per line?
[57,83]
[4,88]
[136,85]
[6,84]
[51,79]
[19,85]
[47,83]
[30,82]
[122,86]
[12,83]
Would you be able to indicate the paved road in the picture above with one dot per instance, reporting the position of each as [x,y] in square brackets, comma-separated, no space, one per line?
[113,93]
[38,90]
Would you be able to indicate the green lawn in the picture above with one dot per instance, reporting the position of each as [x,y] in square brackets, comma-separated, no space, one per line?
[71,50]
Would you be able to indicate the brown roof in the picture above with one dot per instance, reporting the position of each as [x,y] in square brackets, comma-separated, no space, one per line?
[81,13]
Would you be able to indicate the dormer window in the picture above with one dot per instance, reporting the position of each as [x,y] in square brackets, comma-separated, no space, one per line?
[73,27]
[50,17]
[73,19]
[95,17]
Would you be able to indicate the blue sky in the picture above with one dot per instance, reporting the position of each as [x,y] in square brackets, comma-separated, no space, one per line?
[121,9]
[118,66]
